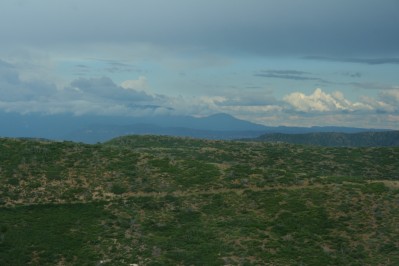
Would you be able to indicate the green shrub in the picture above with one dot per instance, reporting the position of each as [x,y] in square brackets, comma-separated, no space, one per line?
[118,188]
[377,188]
[13,181]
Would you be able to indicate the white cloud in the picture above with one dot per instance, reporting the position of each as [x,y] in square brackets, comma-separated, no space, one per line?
[139,84]
[104,89]
[102,96]
[95,96]
[388,101]
[378,105]
[393,118]
[320,101]
[391,96]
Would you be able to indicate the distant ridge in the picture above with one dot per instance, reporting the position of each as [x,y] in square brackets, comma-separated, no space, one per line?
[336,139]
[94,128]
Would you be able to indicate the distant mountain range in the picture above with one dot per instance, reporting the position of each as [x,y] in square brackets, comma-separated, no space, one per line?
[92,129]
[336,139]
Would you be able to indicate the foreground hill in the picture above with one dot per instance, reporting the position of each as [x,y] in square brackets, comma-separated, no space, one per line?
[165,201]
[336,139]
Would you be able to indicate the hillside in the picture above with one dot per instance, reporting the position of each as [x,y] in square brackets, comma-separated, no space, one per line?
[155,200]
[336,139]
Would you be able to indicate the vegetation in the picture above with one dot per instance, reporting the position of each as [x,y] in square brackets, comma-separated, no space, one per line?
[155,200]
[335,139]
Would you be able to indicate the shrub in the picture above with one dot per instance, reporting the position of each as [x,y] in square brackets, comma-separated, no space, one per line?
[13,181]
[118,188]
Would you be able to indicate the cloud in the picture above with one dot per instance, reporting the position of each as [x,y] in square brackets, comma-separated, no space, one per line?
[139,84]
[104,88]
[393,118]
[83,95]
[106,97]
[12,88]
[132,97]
[320,101]
[373,86]
[81,69]
[8,73]
[248,110]
[115,66]
[368,61]
[287,74]
[247,99]
[391,97]
[351,74]
[253,26]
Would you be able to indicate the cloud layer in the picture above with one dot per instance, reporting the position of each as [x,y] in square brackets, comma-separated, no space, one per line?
[259,60]
[253,26]
[133,97]
[367,61]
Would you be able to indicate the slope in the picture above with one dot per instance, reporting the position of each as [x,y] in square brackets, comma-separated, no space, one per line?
[336,139]
[164,201]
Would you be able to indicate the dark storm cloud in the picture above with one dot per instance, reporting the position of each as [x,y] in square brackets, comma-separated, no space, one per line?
[368,61]
[52,40]
[329,28]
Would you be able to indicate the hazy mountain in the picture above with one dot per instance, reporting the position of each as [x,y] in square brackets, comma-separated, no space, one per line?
[92,128]
[100,133]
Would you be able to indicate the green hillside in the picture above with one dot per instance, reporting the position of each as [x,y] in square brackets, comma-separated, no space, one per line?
[154,200]
[336,139]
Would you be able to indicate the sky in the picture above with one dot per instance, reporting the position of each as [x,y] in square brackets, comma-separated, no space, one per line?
[285,62]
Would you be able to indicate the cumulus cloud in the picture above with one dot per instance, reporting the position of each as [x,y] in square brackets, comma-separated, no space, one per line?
[378,105]
[320,101]
[139,84]
[391,97]
[12,88]
[102,96]
[83,95]
[104,88]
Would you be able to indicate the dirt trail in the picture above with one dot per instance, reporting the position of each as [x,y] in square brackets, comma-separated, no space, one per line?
[181,193]
[388,183]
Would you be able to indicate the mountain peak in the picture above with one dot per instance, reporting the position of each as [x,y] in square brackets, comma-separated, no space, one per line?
[223,121]
[221,116]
